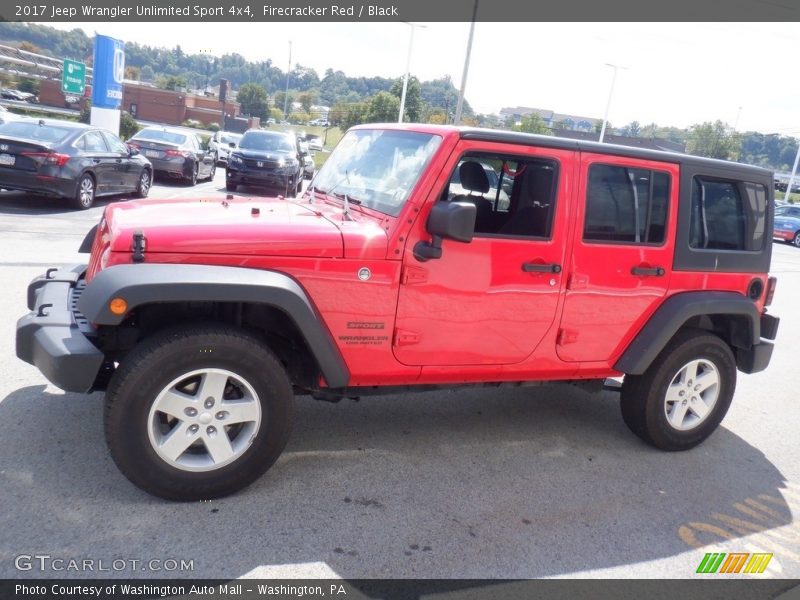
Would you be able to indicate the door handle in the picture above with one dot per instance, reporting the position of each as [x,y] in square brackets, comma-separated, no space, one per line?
[648,271]
[540,268]
[119,160]
[95,160]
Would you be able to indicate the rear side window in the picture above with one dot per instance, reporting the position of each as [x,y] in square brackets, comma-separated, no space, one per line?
[727,215]
[626,205]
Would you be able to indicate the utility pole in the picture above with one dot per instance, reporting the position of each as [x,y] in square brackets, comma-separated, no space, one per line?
[608,104]
[286,94]
[408,69]
[460,105]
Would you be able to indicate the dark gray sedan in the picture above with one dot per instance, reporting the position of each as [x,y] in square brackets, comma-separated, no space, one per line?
[176,153]
[70,160]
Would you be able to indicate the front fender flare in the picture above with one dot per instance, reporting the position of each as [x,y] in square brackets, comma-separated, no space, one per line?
[163,283]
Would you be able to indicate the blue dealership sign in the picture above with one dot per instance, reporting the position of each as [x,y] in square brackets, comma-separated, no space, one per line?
[108,72]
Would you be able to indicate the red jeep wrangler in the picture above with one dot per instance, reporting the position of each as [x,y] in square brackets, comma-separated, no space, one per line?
[419,257]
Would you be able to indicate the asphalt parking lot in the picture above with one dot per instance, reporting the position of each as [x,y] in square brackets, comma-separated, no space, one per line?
[536,482]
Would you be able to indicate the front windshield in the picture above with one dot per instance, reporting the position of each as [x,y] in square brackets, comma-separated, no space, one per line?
[269,142]
[377,168]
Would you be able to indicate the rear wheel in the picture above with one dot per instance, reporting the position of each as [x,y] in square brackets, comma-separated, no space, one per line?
[144,184]
[684,395]
[192,179]
[213,171]
[84,193]
[197,413]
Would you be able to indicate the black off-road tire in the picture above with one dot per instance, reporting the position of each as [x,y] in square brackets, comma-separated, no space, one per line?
[162,358]
[643,397]
[231,187]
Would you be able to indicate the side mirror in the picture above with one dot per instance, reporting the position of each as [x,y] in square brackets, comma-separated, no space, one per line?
[133,150]
[447,221]
[231,144]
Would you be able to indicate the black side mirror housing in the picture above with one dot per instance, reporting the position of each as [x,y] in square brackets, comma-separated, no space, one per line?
[447,221]
[232,144]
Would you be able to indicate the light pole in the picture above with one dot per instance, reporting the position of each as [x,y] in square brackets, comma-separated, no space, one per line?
[408,69]
[460,105]
[286,93]
[736,122]
[792,176]
[608,104]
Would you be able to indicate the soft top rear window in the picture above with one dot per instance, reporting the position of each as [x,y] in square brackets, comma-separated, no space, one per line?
[727,215]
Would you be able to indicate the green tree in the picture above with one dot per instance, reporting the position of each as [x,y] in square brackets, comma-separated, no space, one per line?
[383,108]
[348,114]
[306,99]
[29,85]
[127,126]
[632,129]
[713,140]
[413,108]
[278,101]
[253,100]
[533,123]
[173,82]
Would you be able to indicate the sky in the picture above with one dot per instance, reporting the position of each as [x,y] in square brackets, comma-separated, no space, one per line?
[675,74]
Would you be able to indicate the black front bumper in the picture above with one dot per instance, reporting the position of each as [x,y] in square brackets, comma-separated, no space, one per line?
[53,337]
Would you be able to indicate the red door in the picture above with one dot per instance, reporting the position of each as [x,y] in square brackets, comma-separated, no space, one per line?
[622,258]
[490,301]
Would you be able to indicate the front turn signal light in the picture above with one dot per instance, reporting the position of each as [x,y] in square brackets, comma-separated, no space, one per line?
[118,306]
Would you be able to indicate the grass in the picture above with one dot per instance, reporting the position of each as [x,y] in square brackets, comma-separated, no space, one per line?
[793,198]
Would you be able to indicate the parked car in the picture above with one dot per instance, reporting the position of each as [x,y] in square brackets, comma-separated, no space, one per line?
[787,227]
[271,121]
[788,210]
[308,161]
[221,144]
[70,160]
[269,159]
[609,262]
[319,122]
[314,143]
[6,115]
[176,153]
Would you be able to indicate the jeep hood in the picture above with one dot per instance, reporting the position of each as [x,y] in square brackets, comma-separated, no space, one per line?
[242,226]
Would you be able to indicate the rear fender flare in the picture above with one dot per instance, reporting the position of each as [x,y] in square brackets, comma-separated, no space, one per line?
[671,316]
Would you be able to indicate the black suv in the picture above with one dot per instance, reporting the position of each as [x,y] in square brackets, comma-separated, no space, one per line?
[267,159]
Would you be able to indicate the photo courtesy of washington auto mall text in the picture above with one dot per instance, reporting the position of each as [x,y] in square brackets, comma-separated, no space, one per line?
[399,299]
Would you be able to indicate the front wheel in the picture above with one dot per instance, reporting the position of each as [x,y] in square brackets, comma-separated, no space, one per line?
[683,396]
[198,413]
[796,240]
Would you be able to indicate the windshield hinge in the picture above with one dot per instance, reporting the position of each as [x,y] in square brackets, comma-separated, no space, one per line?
[138,246]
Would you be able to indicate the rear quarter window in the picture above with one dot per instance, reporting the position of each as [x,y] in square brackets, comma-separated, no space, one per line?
[727,215]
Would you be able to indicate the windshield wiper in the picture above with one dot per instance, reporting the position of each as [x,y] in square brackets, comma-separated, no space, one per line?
[343,196]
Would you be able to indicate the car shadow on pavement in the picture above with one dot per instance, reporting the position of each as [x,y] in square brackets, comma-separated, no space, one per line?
[478,483]
[19,203]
